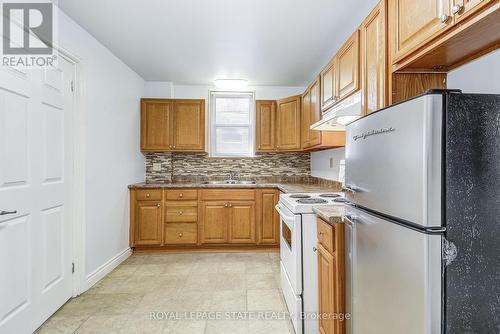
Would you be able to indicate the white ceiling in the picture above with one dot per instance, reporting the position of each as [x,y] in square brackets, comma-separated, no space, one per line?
[269,42]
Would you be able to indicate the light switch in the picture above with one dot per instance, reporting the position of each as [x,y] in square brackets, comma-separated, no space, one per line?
[156,166]
[331,162]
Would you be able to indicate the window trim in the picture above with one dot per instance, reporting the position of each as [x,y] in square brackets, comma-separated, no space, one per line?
[212,126]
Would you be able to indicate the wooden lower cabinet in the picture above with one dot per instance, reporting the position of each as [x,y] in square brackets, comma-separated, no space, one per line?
[203,218]
[327,292]
[148,223]
[268,220]
[215,216]
[331,286]
[241,222]
[180,233]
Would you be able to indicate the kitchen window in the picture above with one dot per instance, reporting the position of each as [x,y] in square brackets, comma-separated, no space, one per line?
[232,124]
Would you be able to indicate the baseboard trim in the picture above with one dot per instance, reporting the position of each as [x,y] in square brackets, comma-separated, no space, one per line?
[98,274]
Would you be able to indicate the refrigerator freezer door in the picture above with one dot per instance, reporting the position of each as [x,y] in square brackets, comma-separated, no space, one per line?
[393,277]
[393,160]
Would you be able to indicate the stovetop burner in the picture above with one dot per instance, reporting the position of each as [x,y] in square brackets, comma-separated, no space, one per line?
[299,196]
[329,195]
[311,201]
[340,200]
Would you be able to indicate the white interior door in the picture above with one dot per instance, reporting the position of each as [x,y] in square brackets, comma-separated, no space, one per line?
[35,180]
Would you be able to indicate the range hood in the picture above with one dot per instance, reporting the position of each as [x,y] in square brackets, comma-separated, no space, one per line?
[342,114]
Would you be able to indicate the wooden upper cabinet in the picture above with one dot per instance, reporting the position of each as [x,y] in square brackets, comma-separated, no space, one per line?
[214,218]
[155,124]
[172,125]
[288,124]
[348,67]
[413,23]
[242,222]
[265,129]
[374,60]
[189,125]
[462,9]
[328,82]
[311,113]
[148,222]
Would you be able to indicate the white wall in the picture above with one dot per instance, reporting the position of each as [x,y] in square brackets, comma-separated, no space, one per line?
[170,90]
[111,93]
[480,76]
[321,166]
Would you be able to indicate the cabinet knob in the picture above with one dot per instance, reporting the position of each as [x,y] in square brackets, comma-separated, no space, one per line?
[180,213]
[321,233]
[147,195]
[226,205]
[180,195]
[158,205]
[180,235]
[173,146]
[456,9]
[443,18]
[230,205]
[169,146]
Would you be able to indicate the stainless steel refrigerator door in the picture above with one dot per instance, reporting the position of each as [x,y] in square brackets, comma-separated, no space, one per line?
[393,277]
[393,160]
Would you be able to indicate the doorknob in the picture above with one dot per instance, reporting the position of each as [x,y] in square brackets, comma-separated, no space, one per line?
[2,213]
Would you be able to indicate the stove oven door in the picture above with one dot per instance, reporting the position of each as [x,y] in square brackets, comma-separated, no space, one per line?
[291,247]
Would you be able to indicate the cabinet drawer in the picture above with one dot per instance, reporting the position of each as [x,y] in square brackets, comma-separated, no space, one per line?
[180,233]
[181,211]
[149,194]
[228,194]
[182,194]
[325,235]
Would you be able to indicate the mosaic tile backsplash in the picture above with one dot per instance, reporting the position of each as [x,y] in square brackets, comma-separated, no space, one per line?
[176,166]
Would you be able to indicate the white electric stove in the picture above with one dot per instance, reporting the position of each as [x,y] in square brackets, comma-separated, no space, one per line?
[299,266]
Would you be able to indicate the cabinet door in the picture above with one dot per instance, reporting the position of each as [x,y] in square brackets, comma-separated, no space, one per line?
[148,223]
[155,125]
[314,113]
[215,219]
[189,125]
[416,22]
[288,124]
[242,222]
[269,217]
[305,121]
[348,67]
[373,60]
[327,292]
[464,8]
[265,126]
[328,93]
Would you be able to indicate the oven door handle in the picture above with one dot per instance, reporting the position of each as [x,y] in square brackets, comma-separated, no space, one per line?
[283,215]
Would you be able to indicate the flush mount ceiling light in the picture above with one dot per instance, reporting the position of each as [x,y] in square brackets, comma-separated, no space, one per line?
[231,83]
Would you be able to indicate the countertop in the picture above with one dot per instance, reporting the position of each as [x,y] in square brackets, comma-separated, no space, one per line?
[284,187]
[331,214]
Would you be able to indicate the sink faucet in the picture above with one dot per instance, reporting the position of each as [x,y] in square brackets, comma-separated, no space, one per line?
[232,176]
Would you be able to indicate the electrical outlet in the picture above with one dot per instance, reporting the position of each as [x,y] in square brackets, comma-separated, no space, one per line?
[156,166]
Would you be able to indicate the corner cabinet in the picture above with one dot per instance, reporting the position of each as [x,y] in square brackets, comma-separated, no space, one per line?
[288,124]
[172,125]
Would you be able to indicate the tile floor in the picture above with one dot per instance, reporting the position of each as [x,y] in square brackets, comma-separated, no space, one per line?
[231,286]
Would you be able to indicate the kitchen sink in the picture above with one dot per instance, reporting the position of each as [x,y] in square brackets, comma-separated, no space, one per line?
[229,182]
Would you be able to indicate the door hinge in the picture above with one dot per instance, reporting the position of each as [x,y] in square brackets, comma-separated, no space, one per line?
[72,85]
[73,268]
